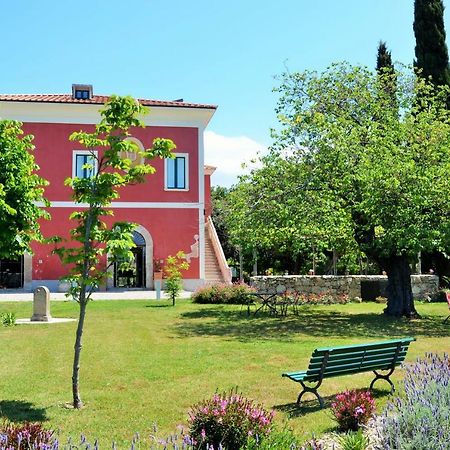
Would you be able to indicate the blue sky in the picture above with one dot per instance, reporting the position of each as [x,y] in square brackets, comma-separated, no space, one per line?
[225,53]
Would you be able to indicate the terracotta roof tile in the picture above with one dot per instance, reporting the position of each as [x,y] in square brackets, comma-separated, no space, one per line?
[96,99]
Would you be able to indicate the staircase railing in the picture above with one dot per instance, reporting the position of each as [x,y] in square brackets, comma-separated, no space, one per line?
[218,251]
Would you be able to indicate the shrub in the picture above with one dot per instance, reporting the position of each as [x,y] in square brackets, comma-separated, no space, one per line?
[324,298]
[228,420]
[276,440]
[8,319]
[352,409]
[237,294]
[172,270]
[420,418]
[26,436]
[353,440]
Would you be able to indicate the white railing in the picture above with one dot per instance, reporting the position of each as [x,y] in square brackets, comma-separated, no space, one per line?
[218,251]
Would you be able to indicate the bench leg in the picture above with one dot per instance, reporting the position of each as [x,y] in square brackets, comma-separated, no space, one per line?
[380,376]
[313,390]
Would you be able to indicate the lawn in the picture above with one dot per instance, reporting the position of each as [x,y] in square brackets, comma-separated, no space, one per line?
[145,362]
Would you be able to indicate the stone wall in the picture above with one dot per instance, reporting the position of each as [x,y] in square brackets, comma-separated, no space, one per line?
[366,287]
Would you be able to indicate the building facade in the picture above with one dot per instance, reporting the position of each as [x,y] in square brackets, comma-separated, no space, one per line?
[171,208]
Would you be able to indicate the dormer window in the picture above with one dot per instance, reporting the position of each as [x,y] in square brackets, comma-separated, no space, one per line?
[82,91]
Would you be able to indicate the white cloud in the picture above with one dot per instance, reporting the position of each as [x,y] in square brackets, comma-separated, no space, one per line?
[228,153]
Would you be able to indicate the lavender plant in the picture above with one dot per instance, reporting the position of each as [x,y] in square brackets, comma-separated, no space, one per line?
[420,418]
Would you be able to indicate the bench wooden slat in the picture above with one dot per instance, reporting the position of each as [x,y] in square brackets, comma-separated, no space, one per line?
[343,359]
[344,370]
[371,345]
[361,361]
[356,354]
[380,364]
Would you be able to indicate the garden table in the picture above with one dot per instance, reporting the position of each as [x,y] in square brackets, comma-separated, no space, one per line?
[267,300]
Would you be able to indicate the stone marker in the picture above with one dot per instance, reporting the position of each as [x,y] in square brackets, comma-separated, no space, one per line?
[41,305]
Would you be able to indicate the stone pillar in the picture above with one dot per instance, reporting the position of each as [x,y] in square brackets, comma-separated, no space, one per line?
[41,305]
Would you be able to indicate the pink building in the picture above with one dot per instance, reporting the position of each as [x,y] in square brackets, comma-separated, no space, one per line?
[172,208]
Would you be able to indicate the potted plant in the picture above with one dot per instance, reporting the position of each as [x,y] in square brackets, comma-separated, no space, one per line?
[157,270]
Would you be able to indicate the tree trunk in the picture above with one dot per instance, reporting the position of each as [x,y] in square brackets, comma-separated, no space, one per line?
[400,299]
[77,403]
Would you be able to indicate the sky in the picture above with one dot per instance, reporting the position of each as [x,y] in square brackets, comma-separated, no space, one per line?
[226,53]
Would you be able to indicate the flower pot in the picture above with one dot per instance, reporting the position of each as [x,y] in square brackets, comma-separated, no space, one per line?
[157,275]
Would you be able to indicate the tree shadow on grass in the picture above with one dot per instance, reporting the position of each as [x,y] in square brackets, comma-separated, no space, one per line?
[311,321]
[292,410]
[20,411]
[159,306]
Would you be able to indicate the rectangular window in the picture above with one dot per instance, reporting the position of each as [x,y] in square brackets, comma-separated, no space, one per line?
[82,94]
[84,164]
[177,172]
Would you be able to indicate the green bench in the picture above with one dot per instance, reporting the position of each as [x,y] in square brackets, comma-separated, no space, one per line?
[345,360]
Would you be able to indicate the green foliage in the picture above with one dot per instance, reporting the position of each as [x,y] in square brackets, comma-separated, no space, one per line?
[349,169]
[172,270]
[21,190]
[353,441]
[381,177]
[233,294]
[220,210]
[276,440]
[8,319]
[431,49]
[227,420]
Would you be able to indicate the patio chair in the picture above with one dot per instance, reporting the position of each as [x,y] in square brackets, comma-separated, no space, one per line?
[447,296]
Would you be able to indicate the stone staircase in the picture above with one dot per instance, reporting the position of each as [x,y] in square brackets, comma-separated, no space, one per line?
[212,268]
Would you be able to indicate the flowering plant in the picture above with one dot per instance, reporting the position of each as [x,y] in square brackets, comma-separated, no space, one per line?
[236,294]
[227,421]
[352,409]
[419,417]
[24,436]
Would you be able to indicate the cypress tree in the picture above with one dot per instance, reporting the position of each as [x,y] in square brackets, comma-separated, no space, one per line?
[432,57]
[431,50]
[384,58]
[385,69]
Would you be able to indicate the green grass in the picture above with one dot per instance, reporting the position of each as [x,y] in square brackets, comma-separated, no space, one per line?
[145,362]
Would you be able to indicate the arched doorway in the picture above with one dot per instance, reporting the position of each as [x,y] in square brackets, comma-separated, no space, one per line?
[12,273]
[133,276]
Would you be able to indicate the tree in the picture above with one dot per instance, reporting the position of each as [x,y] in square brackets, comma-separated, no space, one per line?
[431,50]
[385,67]
[172,270]
[92,237]
[265,211]
[384,58]
[21,190]
[383,171]
[219,200]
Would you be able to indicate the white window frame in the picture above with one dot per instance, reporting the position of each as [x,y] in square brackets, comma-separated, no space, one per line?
[75,153]
[186,172]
